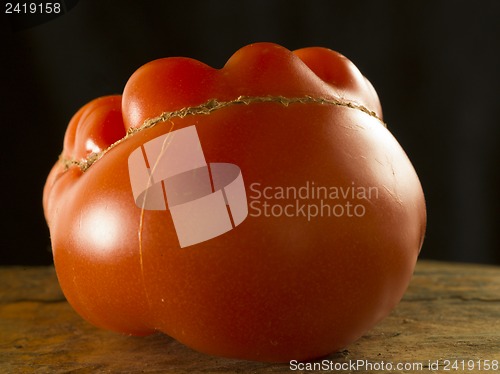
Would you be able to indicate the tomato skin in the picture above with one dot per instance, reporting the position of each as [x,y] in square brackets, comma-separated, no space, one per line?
[273,288]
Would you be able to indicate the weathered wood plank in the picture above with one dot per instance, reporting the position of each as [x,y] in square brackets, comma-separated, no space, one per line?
[450,312]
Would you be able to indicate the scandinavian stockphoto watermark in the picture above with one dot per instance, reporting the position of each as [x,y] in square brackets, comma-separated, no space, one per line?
[310,200]
[206,200]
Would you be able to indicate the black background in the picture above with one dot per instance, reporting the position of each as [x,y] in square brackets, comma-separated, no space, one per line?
[435,65]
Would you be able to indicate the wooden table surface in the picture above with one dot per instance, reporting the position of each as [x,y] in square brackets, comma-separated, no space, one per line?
[449,316]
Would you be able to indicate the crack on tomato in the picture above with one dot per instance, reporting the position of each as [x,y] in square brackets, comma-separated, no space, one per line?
[152,168]
[211,106]
[394,195]
[141,257]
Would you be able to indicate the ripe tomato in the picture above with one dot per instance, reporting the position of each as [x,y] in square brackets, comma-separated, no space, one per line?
[261,211]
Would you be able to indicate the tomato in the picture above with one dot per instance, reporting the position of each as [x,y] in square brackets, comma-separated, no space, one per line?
[260,211]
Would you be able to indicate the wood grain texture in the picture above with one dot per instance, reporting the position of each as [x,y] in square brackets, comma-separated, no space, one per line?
[450,312]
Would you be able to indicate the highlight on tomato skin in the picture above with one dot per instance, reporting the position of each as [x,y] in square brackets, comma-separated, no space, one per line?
[261,211]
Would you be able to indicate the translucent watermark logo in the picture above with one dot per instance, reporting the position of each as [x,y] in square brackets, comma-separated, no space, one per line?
[310,200]
[205,200]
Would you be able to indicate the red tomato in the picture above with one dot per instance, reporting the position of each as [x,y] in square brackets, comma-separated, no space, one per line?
[261,211]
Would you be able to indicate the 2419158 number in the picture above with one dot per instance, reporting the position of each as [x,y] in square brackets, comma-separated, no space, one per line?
[32,8]
[469,365]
